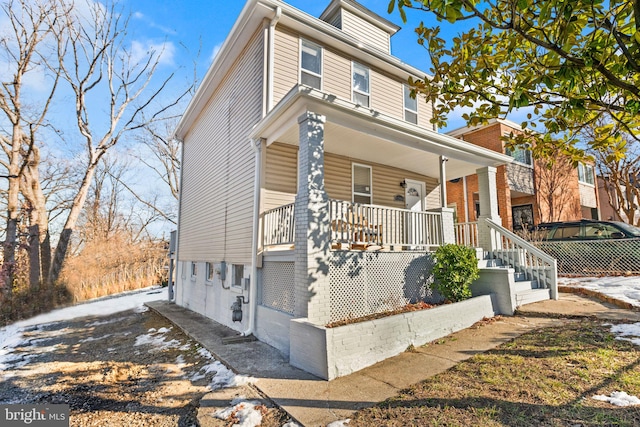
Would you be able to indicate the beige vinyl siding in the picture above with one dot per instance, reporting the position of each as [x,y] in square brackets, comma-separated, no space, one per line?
[387,95]
[280,175]
[337,75]
[425,113]
[365,31]
[218,166]
[285,64]
[281,178]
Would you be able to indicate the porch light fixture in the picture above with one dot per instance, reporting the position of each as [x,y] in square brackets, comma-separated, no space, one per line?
[403,184]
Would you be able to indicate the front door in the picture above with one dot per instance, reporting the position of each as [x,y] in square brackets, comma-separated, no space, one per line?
[414,201]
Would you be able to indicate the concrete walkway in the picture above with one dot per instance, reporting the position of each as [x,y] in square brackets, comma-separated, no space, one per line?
[315,402]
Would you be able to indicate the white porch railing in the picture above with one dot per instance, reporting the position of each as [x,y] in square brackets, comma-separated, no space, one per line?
[525,258]
[357,226]
[278,226]
[467,234]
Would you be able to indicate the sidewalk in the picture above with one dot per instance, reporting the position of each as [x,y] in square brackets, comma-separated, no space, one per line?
[315,402]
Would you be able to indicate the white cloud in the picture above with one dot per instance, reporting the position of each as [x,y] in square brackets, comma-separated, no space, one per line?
[142,49]
[214,52]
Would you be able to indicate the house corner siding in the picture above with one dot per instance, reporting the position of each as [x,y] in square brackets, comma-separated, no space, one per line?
[217,188]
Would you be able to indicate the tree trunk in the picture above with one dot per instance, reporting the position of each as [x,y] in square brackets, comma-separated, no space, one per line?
[35,258]
[65,236]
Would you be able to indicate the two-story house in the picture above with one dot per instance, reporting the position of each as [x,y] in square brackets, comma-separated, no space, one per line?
[530,191]
[313,185]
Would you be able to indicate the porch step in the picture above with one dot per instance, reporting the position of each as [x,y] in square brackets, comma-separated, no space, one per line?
[525,285]
[485,263]
[532,295]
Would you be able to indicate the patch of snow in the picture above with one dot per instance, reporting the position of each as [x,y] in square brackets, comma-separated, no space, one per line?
[339,423]
[618,398]
[627,332]
[625,289]
[105,322]
[12,335]
[95,338]
[291,424]
[243,410]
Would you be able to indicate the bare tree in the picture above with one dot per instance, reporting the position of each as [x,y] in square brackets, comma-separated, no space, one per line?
[24,50]
[621,179]
[551,177]
[96,63]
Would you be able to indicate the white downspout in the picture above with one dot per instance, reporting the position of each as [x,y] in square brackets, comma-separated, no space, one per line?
[270,61]
[257,147]
[465,198]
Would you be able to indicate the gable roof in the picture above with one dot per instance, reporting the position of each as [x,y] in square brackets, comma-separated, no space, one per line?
[360,11]
[251,17]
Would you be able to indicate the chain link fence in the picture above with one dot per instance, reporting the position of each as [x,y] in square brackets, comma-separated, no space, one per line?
[595,257]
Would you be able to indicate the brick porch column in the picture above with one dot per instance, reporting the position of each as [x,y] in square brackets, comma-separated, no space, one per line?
[312,238]
[488,192]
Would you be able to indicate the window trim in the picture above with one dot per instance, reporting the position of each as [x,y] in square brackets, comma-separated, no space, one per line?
[193,270]
[406,91]
[311,73]
[358,91]
[526,148]
[593,174]
[353,176]
[235,285]
[209,267]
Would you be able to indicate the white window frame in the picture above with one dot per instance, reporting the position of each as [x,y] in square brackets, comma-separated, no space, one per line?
[193,270]
[304,70]
[584,168]
[353,176]
[355,91]
[234,283]
[406,92]
[210,272]
[526,148]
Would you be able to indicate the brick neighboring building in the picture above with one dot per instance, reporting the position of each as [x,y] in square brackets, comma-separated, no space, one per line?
[529,193]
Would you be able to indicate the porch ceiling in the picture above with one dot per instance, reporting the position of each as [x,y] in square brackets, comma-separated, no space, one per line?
[368,135]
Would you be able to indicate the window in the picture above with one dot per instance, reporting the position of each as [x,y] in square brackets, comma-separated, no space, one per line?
[520,154]
[360,85]
[410,106]
[311,64]
[238,275]
[585,174]
[194,270]
[361,176]
[210,270]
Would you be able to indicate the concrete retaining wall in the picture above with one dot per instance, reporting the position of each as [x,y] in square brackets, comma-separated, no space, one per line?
[272,327]
[334,352]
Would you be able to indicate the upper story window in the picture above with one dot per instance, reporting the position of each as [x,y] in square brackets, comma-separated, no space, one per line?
[585,174]
[360,84]
[520,154]
[311,64]
[361,184]
[410,106]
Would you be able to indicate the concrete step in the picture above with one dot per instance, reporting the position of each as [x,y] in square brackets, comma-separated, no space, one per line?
[525,285]
[484,263]
[532,295]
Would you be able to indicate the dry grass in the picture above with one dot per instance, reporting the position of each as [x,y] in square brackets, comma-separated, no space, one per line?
[114,265]
[102,268]
[544,378]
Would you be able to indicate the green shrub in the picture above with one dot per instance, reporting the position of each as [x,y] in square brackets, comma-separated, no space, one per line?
[455,269]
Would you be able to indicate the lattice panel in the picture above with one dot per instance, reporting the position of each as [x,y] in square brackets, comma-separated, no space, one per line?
[364,283]
[594,257]
[277,290]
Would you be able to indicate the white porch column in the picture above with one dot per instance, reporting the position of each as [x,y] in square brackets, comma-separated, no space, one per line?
[443,181]
[488,192]
[312,238]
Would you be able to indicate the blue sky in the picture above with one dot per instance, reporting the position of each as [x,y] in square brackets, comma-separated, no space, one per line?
[198,25]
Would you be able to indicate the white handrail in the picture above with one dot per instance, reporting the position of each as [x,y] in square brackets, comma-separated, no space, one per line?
[524,257]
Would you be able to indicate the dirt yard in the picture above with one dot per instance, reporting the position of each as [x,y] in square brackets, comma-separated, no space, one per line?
[128,369]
